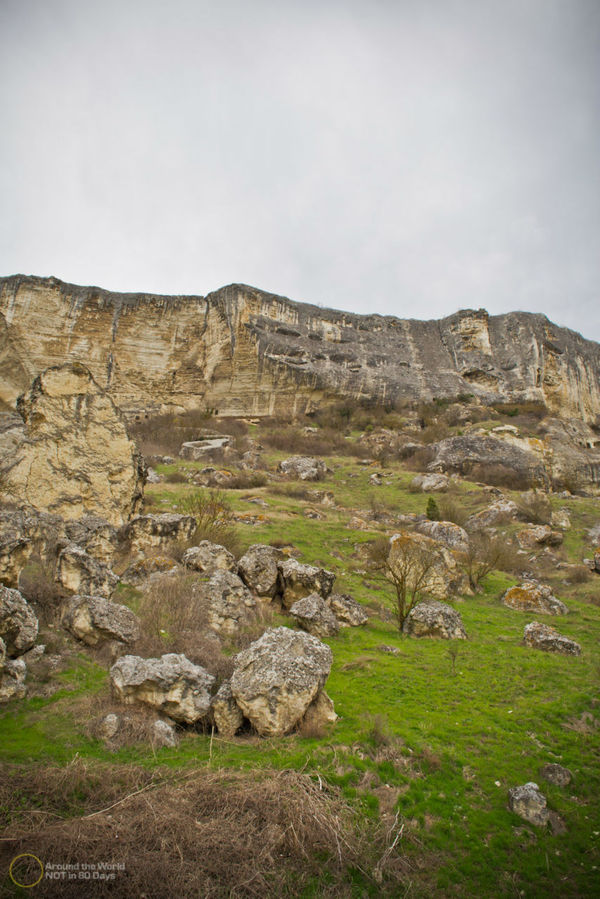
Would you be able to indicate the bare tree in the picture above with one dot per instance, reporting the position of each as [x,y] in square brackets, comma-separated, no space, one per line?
[406,563]
[487,552]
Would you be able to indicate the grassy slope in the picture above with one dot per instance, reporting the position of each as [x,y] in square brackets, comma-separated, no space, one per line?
[446,744]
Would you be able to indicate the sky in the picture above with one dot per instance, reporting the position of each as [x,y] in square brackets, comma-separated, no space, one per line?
[406,158]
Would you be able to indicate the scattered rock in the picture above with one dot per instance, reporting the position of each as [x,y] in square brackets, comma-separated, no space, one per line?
[348,611]
[430,483]
[163,734]
[556,774]
[12,680]
[153,477]
[209,557]
[94,620]
[226,713]
[170,684]
[390,650]
[18,623]
[358,524]
[259,570]
[376,479]
[530,596]
[304,468]
[109,727]
[320,713]
[542,636]
[77,572]
[446,532]
[314,615]
[76,456]
[500,512]
[152,531]
[561,518]
[251,461]
[278,676]
[229,604]
[300,580]
[432,618]
[540,535]
[212,477]
[528,803]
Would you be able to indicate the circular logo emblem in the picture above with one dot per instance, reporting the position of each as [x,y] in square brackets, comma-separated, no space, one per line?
[26,870]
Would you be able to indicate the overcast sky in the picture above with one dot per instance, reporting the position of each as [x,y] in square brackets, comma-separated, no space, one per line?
[409,157]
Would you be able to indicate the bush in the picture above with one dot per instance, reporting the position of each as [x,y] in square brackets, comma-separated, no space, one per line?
[214,518]
[38,586]
[432,512]
[451,510]
[535,507]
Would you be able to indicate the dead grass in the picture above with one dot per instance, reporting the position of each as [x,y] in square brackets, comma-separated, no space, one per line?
[200,833]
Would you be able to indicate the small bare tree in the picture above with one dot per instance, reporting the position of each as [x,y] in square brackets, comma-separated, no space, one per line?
[487,552]
[406,563]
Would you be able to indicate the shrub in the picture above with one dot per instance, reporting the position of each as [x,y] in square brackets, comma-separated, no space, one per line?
[451,510]
[38,586]
[535,507]
[432,512]
[214,518]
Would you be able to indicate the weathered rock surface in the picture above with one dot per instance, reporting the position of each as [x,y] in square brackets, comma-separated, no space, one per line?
[142,569]
[461,454]
[444,576]
[530,596]
[12,680]
[314,615]
[171,684]
[75,456]
[226,713]
[542,636]
[259,570]
[540,535]
[556,774]
[528,803]
[208,446]
[78,573]
[158,531]
[499,512]
[432,618]
[229,604]
[430,483]
[18,623]
[95,535]
[208,557]
[320,713]
[300,580]
[348,611]
[278,676]
[94,620]
[446,532]
[304,468]
[163,734]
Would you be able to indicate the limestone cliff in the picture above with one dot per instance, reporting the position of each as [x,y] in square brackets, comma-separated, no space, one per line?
[243,351]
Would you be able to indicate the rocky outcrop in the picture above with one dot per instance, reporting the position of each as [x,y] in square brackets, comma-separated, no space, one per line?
[314,616]
[228,602]
[170,684]
[18,623]
[446,532]
[540,535]
[244,351]
[157,531]
[348,611]
[530,596]
[542,636]
[78,573]
[471,454]
[93,620]
[300,580]
[276,679]
[208,558]
[258,568]
[430,483]
[431,618]
[75,456]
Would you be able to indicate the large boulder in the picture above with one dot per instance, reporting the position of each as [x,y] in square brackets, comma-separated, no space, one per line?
[76,457]
[226,713]
[258,568]
[171,685]
[528,803]
[499,512]
[208,557]
[475,453]
[95,535]
[78,573]
[540,535]
[413,552]
[208,446]
[12,680]
[276,679]
[158,531]
[530,596]
[542,636]
[446,532]
[94,620]
[303,468]
[27,533]
[319,715]
[430,483]
[432,618]
[228,602]
[348,611]
[300,580]
[314,615]
[18,623]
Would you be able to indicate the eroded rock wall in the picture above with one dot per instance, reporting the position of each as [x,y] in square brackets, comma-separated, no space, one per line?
[243,351]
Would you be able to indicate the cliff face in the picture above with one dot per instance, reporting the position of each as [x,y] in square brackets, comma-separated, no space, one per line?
[244,351]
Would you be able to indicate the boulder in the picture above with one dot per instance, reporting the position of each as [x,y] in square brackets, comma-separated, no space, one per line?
[153,477]
[152,531]
[414,552]
[303,468]
[18,623]
[432,618]
[94,620]
[300,580]
[12,680]
[348,611]
[542,636]
[109,726]
[229,604]
[258,569]
[209,445]
[446,532]
[430,483]
[540,535]
[2,654]
[78,573]
[170,684]
[470,453]
[499,512]
[528,803]
[208,557]
[556,774]
[320,713]
[163,734]
[226,714]
[314,615]
[277,677]
[95,535]
[561,518]
[76,457]
[142,569]
[530,596]
[25,534]
[251,460]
